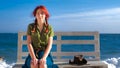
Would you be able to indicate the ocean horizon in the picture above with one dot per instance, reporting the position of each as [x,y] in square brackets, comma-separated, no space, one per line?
[109,49]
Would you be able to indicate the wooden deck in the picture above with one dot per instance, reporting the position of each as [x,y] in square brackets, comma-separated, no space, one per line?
[58,54]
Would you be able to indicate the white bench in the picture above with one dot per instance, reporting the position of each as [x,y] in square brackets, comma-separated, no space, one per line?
[59,55]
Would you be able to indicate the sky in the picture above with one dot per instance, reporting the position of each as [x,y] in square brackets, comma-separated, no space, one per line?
[65,15]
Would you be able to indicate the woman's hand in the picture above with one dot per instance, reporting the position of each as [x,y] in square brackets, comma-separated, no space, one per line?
[42,61]
[35,61]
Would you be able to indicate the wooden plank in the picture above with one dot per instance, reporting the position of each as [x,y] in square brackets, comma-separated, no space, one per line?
[19,47]
[75,42]
[77,33]
[74,53]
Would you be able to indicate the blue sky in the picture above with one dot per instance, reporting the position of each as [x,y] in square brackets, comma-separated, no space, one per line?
[65,15]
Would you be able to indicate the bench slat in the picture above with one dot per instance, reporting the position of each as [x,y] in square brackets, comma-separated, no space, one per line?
[76,42]
[95,33]
[75,53]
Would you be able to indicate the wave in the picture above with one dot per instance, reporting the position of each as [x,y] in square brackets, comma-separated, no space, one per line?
[3,64]
[113,62]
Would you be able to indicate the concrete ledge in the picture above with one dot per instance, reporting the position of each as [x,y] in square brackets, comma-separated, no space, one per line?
[90,64]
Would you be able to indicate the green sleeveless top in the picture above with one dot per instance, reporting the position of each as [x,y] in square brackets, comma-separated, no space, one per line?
[39,39]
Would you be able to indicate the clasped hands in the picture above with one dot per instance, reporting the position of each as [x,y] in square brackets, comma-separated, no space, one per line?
[36,61]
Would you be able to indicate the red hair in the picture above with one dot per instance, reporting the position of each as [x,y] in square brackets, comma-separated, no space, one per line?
[43,8]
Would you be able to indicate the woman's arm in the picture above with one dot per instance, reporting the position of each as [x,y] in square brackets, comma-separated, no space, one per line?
[31,51]
[49,46]
[30,48]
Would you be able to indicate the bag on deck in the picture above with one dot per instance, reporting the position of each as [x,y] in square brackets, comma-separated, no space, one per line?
[79,60]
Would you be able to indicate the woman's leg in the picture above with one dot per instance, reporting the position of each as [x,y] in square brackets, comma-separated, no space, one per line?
[42,65]
[33,66]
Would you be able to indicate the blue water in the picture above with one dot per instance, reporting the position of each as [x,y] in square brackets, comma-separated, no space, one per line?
[109,47]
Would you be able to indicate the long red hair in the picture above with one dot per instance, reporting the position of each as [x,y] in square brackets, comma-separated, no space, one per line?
[44,9]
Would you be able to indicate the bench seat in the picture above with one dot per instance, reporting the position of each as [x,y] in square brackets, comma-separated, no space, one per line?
[90,64]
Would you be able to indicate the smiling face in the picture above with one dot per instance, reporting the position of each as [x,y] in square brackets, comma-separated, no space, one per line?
[40,16]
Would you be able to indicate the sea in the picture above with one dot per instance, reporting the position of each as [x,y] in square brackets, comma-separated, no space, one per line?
[109,49]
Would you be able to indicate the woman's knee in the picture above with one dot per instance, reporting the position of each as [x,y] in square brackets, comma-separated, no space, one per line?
[33,66]
[42,65]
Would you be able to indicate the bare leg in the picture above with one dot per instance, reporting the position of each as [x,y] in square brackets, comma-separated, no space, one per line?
[42,66]
[33,66]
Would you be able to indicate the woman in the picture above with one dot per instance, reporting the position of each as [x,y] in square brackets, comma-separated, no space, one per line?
[39,41]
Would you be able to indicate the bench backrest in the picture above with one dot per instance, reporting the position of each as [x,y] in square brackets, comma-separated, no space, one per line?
[60,42]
